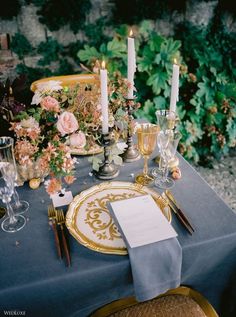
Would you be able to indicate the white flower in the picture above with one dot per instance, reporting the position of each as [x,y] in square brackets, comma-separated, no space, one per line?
[45,87]
[49,86]
[36,98]
[30,123]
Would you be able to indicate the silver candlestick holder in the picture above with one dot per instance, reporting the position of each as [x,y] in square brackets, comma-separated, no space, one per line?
[107,170]
[131,153]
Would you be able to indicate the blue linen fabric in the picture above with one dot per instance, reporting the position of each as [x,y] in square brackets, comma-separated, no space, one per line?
[32,279]
[155,268]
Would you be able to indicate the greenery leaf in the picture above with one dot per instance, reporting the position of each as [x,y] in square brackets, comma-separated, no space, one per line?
[157,81]
[145,63]
[116,48]
[88,54]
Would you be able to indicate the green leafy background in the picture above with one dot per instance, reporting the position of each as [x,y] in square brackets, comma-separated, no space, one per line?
[207,55]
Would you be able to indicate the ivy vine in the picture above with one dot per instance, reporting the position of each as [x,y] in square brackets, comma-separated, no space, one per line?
[57,13]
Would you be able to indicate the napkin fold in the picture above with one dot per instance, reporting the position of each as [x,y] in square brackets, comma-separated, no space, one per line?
[156,268]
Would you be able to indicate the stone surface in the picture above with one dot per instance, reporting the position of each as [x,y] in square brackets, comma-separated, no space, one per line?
[200,12]
[222,178]
[27,23]
[30,26]
[8,26]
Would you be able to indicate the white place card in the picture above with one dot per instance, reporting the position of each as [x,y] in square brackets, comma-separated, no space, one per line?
[141,221]
[63,199]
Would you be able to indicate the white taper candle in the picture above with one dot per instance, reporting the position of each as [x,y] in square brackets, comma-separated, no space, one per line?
[104,98]
[174,97]
[131,65]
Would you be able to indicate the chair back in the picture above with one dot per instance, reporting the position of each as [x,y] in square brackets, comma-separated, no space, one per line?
[179,302]
[88,87]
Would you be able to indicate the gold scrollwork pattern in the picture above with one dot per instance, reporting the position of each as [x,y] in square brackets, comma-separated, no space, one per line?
[99,219]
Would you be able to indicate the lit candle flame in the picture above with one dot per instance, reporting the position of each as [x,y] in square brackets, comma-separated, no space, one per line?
[103,65]
[175,61]
[131,33]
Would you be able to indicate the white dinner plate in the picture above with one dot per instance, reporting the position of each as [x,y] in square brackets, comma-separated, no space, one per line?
[89,220]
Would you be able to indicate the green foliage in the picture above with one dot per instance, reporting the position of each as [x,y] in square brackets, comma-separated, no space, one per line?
[33,73]
[207,55]
[20,45]
[134,11]
[156,56]
[50,51]
[95,32]
[208,92]
[114,53]
[207,105]
[57,13]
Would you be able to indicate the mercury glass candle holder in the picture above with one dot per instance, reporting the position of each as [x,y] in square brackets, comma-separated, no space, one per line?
[107,170]
[131,152]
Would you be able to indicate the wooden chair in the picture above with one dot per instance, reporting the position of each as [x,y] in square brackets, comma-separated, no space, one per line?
[88,85]
[69,80]
[180,302]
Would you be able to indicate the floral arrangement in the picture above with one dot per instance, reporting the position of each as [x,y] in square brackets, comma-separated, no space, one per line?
[42,133]
[61,118]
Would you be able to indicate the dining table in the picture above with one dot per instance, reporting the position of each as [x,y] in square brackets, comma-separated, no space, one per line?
[35,283]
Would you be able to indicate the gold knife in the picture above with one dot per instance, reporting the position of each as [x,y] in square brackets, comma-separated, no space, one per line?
[174,209]
[178,209]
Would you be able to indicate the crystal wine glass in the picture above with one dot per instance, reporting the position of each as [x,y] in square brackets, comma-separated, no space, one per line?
[166,119]
[7,156]
[147,136]
[11,222]
[167,142]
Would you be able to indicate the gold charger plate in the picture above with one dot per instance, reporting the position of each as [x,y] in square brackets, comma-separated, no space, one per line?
[96,149]
[89,220]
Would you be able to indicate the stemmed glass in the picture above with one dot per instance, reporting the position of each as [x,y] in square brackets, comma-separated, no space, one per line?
[166,120]
[7,156]
[12,222]
[147,139]
[167,142]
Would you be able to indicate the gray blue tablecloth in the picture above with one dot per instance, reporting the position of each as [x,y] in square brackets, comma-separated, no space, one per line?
[33,280]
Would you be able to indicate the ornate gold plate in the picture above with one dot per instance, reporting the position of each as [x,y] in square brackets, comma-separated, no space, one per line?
[90,222]
[95,149]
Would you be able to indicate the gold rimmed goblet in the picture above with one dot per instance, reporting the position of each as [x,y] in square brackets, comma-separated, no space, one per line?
[147,140]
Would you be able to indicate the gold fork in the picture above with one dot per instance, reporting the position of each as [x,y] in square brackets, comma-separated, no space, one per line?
[52,218]
[61,221]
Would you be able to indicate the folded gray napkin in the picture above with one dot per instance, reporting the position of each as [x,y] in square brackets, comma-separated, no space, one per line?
[156,267]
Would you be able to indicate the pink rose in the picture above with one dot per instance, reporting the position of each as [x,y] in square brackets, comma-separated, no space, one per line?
[67,123]
[78,140]
[50,104]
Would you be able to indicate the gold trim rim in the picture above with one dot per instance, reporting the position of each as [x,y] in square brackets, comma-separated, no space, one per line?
[73,151]
[80,198]
[123,303]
